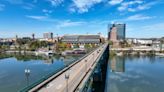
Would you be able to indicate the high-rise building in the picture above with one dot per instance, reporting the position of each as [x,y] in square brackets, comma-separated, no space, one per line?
[113,34]
[48,35]
[121,28]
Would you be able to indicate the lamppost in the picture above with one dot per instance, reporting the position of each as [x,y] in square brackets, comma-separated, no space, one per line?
[97,51]
[86,65]
[93,56]
[67,78]
[27,73]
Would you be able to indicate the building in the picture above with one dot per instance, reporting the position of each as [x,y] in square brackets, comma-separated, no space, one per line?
[48,35]
[6,41]
[113,34]
[121,31]
[81,39]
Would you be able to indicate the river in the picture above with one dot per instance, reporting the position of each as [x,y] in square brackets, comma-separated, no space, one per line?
[12,69]
[135,74]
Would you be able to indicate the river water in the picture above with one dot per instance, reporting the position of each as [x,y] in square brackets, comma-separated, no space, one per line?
[12,69]
[135,74]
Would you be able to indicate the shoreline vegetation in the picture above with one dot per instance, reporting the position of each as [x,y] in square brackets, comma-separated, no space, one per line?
[123,45]
[113,53]
[31,46]
[135,53]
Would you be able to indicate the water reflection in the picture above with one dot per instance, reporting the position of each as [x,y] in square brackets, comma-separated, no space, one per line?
[135,74]
[20,70]
[27,74]
[117,64]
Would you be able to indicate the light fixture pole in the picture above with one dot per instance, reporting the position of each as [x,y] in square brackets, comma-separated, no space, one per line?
[67,78]
[86,65]
[93,56]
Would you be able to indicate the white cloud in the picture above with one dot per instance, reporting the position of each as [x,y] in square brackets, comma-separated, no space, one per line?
[152,30]
[28,6]
[55,2]
[69,23]
[114,2]
[37,17]
[47,12]
[2,6]
[136,5]
[129,5]
[138,17]
[82,6]
[154,27]
[147,6]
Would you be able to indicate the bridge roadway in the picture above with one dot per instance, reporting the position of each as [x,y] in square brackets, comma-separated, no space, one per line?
[76,73]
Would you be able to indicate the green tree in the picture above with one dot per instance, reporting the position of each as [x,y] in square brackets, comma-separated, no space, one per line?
[76,46]
[5,47]
[60,46]
[87,46]
[93,45]
[34,45]
[43,44]
[110,42]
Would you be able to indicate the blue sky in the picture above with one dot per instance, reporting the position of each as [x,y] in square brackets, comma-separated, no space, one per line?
[144,18]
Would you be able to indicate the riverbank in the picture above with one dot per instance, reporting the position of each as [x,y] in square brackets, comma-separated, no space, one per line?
[135,53]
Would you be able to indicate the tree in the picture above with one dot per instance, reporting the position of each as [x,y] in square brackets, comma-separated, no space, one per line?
[61,46]
[161,44]
[43,44]
[21,43]
[93,45]
[76,45]
[87,46]
[5,47]
[34,45]
[110,42]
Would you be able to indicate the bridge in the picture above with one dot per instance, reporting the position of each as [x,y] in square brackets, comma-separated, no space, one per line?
[78,76]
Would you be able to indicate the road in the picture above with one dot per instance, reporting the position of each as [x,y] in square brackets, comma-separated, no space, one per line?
[74,75]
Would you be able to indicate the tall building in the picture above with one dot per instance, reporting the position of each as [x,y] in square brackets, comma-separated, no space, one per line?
[121,30]
[113,34]
[48,35]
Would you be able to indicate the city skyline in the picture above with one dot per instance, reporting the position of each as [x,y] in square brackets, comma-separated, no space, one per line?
[23,18]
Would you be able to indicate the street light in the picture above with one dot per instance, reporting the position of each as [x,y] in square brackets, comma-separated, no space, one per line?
[93,56]
[86,65]
[97,51]
[27,73]
[67,78]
